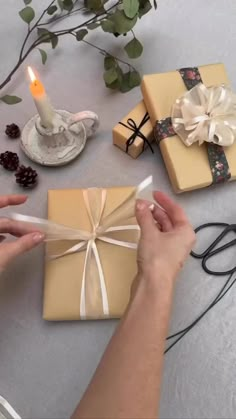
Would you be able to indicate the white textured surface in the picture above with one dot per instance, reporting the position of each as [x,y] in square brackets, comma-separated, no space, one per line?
[45,367]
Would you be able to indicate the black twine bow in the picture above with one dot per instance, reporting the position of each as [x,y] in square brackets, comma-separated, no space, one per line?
[131,124]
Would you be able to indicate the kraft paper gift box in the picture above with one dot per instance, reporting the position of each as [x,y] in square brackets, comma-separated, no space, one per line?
[188,167]
[134,133]
[64,275]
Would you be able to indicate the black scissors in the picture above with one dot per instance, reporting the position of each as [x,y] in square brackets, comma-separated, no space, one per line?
[213,250]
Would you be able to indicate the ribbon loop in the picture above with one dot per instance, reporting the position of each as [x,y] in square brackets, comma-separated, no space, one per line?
[206,114]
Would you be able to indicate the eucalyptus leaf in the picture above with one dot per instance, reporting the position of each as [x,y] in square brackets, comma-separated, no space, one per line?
[125,86]
[131,8]
[27,2]
[134,79]
[92,26]
[134,48]
[43,55]
[10,100]
[144,7]
[44,35]
[68,5]
[93,5]
[54,40]
[108,26]
[109,62]
[60,4]
[110,76]
[51,10]
[27,14]
[47,36]
[122,23]
[81,34]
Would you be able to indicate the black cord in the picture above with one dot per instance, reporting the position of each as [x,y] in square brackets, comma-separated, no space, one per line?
[224,290]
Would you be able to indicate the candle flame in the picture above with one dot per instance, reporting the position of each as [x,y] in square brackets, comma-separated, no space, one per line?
[31,74]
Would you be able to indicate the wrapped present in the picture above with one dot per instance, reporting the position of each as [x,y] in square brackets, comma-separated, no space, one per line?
[91,251]
[193,114]
[134,132]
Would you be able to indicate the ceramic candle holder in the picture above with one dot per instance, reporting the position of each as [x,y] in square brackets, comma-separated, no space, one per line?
[63,142]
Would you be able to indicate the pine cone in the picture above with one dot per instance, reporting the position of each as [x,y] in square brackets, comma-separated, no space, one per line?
[9,160]
[26,177]
[12,131]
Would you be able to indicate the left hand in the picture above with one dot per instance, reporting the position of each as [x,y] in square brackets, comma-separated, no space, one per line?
[27,238]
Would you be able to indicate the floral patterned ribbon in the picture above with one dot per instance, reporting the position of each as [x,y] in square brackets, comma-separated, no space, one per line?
[131,124]
[216,155]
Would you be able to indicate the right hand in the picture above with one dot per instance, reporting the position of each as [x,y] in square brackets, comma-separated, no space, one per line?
[166,240]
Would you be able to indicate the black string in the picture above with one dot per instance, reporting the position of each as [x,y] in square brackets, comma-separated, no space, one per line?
[224,290]
[131,124]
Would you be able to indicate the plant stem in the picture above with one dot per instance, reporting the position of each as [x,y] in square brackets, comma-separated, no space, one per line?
[61,17]
[106,53]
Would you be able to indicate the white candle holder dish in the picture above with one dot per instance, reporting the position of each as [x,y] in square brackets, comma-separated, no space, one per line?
[63,142]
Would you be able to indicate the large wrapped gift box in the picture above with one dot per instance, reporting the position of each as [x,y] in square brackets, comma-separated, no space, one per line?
[188,167]
[94,281]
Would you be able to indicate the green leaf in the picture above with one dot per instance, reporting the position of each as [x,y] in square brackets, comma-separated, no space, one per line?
[130,80]
[110,76]
[68,5]
[27,2]
[155,4]
[131,8]
[134,79]
[144,7]
[122,23]
[134,48]
[93,5]
[51,10]
[54,40]
[60,4]
[92,26]
[109,62]
[47,36]
[27,14]
[108,26]
[10,100]
[81,34]
[43,55]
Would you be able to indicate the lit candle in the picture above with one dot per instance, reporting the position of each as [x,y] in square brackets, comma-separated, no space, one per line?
[41,100]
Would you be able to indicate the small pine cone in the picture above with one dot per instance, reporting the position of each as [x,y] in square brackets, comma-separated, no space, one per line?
[12,131]
[9,160]
[26,177]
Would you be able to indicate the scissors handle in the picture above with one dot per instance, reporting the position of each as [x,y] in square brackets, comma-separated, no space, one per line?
[215,242]
[211,251]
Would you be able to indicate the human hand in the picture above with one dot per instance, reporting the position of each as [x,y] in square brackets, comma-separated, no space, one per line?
[27,238]
[166,239]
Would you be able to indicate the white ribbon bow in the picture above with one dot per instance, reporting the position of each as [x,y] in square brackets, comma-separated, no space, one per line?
[95,200]
[206,114]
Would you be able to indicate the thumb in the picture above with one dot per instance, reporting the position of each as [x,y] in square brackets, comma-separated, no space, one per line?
[144,217]
[25,243]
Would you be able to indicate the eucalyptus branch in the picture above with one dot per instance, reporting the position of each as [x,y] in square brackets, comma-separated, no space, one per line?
[113,20]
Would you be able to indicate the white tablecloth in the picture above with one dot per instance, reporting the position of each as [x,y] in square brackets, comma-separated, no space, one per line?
[45,367]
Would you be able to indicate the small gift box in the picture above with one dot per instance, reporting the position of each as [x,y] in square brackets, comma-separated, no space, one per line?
[92,239]
[189,107]
[134,132]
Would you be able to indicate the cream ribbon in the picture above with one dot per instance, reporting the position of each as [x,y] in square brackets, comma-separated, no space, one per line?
[95,201]
[8,408]
[206,114]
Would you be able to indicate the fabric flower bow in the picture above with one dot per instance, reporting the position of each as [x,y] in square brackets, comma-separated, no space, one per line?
[206,114]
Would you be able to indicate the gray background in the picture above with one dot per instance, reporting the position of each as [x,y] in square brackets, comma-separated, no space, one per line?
[45,367]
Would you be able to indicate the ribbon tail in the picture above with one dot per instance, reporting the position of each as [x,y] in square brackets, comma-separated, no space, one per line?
[103,288]
[82,295]
[9,409]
